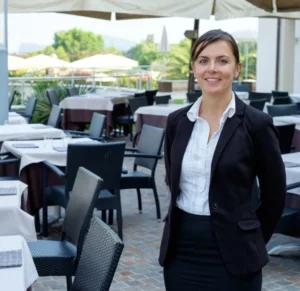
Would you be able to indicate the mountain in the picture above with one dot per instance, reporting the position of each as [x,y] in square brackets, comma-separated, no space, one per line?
[26,47]
[119,43]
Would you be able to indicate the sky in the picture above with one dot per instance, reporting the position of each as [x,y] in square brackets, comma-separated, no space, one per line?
[40,28]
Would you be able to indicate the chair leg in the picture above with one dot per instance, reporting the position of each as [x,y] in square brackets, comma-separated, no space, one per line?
[156,201]
[103,215]
[45,220]
[139,199]
[37,222]
[110,217]
[69,282]
[120,223]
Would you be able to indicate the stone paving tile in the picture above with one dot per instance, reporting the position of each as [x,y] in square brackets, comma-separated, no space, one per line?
[138,268]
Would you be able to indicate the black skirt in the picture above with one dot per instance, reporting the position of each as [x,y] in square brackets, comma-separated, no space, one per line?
[196,262]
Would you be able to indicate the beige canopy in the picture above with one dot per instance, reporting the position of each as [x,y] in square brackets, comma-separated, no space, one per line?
[16,63]
[277,5]
[128,9]
[105,62]
[41,61]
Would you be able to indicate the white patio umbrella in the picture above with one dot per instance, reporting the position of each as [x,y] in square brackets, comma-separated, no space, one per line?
[128,9]
[277,5]
[42,61]
[16,63]
[105,62]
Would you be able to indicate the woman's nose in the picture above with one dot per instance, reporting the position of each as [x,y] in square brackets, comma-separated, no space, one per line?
[212,66]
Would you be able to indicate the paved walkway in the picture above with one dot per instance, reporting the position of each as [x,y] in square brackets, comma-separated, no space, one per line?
[138,268]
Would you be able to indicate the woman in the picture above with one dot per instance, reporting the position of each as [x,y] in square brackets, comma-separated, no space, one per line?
[214,238]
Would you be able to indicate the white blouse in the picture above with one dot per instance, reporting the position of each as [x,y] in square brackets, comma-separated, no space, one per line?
[197,159]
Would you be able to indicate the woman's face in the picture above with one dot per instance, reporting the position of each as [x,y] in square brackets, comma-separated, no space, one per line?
[215,68]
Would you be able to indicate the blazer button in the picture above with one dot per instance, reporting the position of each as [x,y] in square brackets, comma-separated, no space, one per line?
[215,206]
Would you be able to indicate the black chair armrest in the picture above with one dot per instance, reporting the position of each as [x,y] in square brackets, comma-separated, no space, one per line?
[292,186]
[141,155]
[9,161]
[76,132]
[54,169]
[131,149]
[5,154]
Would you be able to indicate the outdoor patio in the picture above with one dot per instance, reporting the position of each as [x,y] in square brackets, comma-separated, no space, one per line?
[138,268]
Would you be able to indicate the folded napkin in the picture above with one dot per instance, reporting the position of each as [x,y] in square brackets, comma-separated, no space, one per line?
[25,145]
[40,126]
[11,259]
[60,149]
[4,191]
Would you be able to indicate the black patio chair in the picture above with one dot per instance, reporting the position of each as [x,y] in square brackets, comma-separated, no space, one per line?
[138,95]
[99,259]
[128,119]
[286,135]
[240,88]
[96,129]
[72,91]
[60,258]
[104,160]
[282,110]
[162,99]
[30,108]
[150,96]
[146,156]
[253,96]
[282,100]
[8,158]
[193,97]
[54,117]
[258,103]
[11,98]
[52,96]
[276,93]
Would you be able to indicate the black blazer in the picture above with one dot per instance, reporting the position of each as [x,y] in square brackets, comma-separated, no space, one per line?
[248,147]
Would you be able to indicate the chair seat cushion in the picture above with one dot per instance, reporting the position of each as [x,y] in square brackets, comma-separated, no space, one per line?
[53,258]
[135,179]
[9,178]
[107,200]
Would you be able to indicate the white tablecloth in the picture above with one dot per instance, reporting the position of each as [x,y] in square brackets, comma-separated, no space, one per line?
[44,152]
[182,94]
[15,118]
[293,173]
[292,119]
[28,131]
[96,101]
[160,110]
[14,221]
[19,278]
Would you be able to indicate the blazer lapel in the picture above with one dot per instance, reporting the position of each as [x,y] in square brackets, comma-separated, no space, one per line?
[229,128]
[185,128]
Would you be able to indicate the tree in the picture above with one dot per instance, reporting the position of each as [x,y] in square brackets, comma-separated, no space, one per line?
[178,60]
[113,50]
[145,52]
[78,43]
[250,49]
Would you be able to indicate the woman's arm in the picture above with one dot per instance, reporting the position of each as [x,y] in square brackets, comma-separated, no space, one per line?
[272,179]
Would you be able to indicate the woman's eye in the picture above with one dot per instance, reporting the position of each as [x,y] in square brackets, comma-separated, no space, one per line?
[202,61]
[223,61]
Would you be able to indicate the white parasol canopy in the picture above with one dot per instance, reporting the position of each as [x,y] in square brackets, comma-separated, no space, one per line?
[42,61]
[127,9]
[105,62]
[16,63]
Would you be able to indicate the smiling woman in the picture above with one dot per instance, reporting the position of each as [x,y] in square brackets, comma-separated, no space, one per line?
[214,236]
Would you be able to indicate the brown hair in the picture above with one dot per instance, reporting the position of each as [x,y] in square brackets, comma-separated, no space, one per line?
[212,36]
